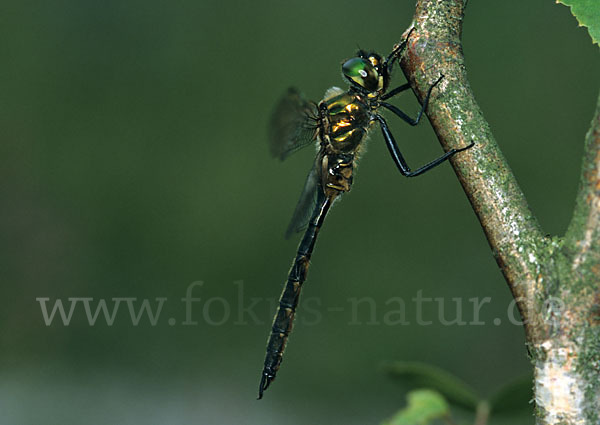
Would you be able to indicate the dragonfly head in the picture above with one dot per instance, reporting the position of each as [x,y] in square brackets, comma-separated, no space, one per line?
[365,71]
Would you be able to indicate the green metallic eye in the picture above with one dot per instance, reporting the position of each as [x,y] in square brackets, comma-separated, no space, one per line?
[361,72]
[355,67]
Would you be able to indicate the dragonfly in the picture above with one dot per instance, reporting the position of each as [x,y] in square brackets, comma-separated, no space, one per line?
[338,125]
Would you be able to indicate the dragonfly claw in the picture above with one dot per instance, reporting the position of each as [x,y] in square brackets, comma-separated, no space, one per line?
[265,381]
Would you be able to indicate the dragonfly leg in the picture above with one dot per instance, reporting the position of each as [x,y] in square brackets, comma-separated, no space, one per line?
[411,121]
[399,159]
[395,91]
[389,62]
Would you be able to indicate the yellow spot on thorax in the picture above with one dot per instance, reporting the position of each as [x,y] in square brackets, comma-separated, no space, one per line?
[341,124]
[351,107]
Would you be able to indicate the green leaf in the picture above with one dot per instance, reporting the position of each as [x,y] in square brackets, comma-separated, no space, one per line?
[424,375]
[514,396]
[587,13]
[423,407]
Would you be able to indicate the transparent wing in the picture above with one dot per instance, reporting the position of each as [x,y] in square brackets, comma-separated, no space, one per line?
[306,203]
[292,125]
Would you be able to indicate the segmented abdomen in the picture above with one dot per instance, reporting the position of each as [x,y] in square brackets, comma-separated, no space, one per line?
[283,321]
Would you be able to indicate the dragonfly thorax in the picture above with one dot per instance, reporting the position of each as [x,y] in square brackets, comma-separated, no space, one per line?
[345,120]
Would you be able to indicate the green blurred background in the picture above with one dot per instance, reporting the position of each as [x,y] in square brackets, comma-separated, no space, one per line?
[135,162]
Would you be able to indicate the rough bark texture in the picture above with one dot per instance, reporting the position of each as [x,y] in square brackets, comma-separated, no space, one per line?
[555,281]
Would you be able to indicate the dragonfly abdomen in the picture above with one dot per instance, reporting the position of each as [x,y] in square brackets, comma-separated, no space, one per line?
[284,318]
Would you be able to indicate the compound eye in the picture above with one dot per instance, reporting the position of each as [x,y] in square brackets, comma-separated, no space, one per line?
[362,72]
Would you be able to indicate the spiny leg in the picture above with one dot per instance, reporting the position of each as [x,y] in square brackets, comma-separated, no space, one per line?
[389,61]
[395,91]
[405,117]
[399,159]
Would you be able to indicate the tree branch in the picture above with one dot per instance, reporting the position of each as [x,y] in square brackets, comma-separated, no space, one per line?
[583,235]
[555,281]
[567,362]
[512,231]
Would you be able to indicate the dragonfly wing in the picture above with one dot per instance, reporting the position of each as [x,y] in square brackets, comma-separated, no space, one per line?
[306,203]
[292,125]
